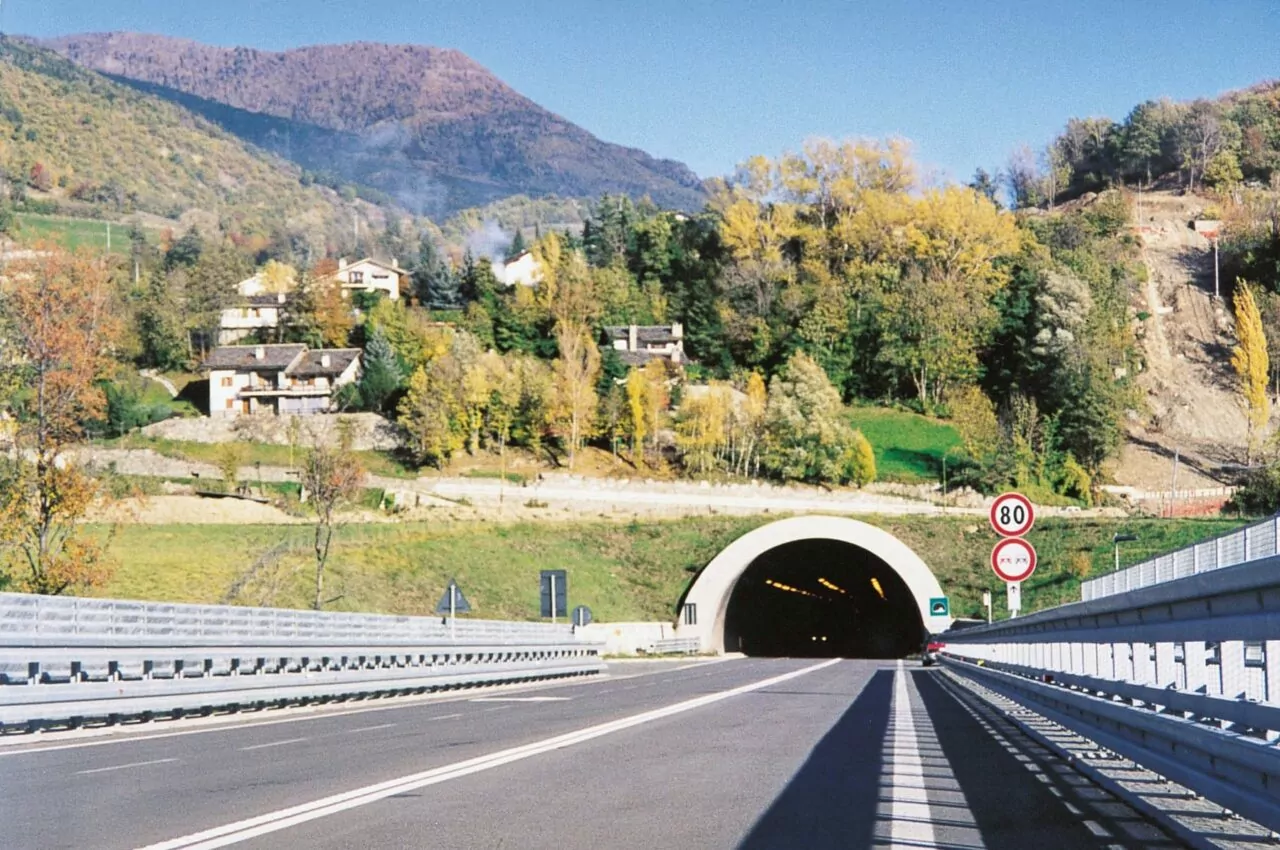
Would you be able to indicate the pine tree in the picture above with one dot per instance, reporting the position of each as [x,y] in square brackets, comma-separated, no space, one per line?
[381,377]
[1250,362]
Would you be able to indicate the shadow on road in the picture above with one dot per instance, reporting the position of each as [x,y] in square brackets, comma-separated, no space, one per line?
[831,801]
[1018,795]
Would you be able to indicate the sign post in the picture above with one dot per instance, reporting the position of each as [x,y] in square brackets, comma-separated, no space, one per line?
[1013,590]
[555,593]
[452,604]
[986,601]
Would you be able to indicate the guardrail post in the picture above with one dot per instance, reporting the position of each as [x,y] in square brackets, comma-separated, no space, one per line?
[1166,670]
[1123,660]
[1244,549]
[1143,665]
[1234,683]
[1271,655]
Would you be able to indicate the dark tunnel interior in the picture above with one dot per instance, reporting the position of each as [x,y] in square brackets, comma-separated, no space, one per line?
[822,598]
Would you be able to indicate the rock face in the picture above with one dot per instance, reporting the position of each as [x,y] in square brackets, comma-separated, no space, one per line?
[429,126]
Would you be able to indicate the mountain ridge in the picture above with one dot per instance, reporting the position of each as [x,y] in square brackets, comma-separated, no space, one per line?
[406,117]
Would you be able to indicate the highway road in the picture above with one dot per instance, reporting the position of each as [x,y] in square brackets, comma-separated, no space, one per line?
[749,753]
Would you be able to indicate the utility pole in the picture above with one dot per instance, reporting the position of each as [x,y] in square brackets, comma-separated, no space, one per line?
[1216,293]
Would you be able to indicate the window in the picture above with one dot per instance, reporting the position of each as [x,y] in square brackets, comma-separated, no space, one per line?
[690,614]
[231,403]
[227,381]
[357,277]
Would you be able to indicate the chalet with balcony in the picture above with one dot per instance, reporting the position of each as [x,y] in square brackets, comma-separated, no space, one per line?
[277,379]
[638,344]
[370,275]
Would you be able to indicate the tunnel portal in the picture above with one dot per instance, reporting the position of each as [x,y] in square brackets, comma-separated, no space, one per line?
[823,598]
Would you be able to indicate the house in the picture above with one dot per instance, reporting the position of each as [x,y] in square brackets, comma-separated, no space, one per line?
[521,270]
[262,311]
[370,275]
[277,379]
[638,344]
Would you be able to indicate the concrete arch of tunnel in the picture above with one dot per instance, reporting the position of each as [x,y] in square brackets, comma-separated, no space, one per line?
[714,587]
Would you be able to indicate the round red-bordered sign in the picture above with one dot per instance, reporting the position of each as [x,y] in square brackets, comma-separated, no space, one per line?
[1013,559]
[1012,515]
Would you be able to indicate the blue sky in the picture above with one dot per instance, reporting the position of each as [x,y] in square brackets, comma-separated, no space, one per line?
[710,82]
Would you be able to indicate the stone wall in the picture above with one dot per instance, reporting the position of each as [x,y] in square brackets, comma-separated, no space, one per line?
[371,430]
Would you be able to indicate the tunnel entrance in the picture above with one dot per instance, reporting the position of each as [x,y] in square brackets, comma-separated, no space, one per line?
[822,598]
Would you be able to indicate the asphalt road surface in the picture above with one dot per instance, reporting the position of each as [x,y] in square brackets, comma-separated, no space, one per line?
[751,753]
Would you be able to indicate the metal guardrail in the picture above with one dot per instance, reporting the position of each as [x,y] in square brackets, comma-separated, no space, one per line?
[676,646]
[1250,543]
[67,659]
[1182,677]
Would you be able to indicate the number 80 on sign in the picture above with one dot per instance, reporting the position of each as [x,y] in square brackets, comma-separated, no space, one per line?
[1012,515]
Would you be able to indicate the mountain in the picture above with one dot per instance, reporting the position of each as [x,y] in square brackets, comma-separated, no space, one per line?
[74,141]
[430,127]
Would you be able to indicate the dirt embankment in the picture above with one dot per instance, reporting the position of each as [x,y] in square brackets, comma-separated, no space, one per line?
[1186,337]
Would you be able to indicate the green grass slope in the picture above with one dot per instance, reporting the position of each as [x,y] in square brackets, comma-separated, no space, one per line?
[909,447]
[633,571]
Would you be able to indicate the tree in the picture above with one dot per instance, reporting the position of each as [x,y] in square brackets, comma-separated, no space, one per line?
[331,313]
[278,278]
[425,415]
[575,385]
[940,312]
[58,332]
[381,377]
[160,332]
[808,436]
[860,461]
[333,478]
[1249,359]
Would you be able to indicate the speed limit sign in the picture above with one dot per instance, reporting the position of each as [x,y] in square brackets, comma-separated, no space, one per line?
[1012,515]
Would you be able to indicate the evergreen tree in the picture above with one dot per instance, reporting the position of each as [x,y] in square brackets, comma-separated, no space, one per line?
[381,378]
[517,245]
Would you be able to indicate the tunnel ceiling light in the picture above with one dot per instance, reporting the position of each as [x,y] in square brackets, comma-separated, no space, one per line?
[832,586]
[789,589]
[875,585]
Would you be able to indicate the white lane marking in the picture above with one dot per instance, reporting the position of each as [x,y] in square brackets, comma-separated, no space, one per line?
[123,766]
[233,833]
[521,699]
[444,716]
[369,728]
[273,744]
[910,818]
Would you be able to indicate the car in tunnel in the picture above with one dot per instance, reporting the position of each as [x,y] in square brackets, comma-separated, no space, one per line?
[929,655]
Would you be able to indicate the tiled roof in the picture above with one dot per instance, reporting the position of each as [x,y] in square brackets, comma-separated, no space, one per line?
[244,357]
[652,334]
[311,366]
[264,300]
[639,358]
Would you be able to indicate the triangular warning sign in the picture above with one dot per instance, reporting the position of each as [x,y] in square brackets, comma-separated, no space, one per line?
[460,603]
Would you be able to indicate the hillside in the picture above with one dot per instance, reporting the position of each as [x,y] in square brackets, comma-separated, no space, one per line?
[622,571]
[428,126]
[74,141]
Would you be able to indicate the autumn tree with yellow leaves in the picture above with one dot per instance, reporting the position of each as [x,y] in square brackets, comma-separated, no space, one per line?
[1249,359]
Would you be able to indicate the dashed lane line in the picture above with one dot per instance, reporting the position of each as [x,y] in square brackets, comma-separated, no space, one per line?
[123,766]
[272,744]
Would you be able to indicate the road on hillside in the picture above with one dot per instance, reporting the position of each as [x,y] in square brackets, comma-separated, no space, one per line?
[751,753]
